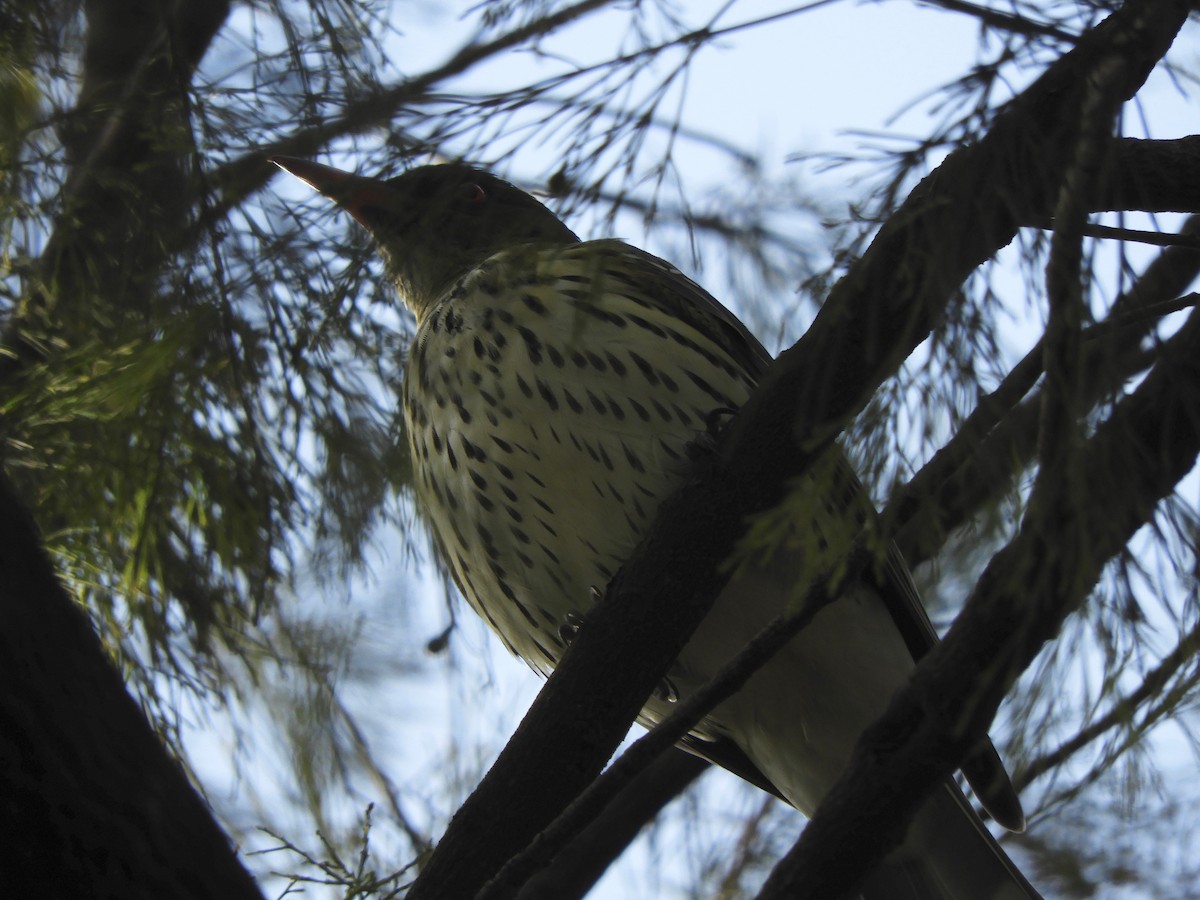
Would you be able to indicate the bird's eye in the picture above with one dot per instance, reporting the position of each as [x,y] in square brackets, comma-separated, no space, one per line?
[473,193]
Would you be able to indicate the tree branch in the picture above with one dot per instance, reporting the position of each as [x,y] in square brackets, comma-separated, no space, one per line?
[1152,176]
[95,805]
[1135,458]
[574,868]
[674,728]
[1030,587]
[998,439]
[1121,711]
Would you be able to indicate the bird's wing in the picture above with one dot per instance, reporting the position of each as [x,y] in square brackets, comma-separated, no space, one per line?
[661,283]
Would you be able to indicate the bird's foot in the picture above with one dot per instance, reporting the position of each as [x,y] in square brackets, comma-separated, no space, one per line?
[704,444]
[569,629]
[572,622]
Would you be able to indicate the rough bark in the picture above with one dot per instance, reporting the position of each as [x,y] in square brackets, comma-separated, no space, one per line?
[93,805]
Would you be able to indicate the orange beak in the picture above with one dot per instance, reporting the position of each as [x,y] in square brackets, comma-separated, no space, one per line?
[351,192]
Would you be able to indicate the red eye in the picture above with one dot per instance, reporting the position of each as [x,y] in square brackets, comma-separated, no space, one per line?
[473,193]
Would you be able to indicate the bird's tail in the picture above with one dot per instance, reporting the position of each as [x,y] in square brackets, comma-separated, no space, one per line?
[949,855]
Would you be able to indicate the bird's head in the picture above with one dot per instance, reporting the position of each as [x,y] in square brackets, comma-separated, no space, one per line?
[434,224]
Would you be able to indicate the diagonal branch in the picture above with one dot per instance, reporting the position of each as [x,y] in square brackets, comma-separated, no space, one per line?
[576,867]
[1047,570]
[998,438]
[675,727]
[1145,447]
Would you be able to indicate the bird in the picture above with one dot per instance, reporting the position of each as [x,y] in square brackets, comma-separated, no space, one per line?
[556,392]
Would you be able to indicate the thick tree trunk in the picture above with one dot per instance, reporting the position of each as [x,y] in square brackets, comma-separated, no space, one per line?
[92,803]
